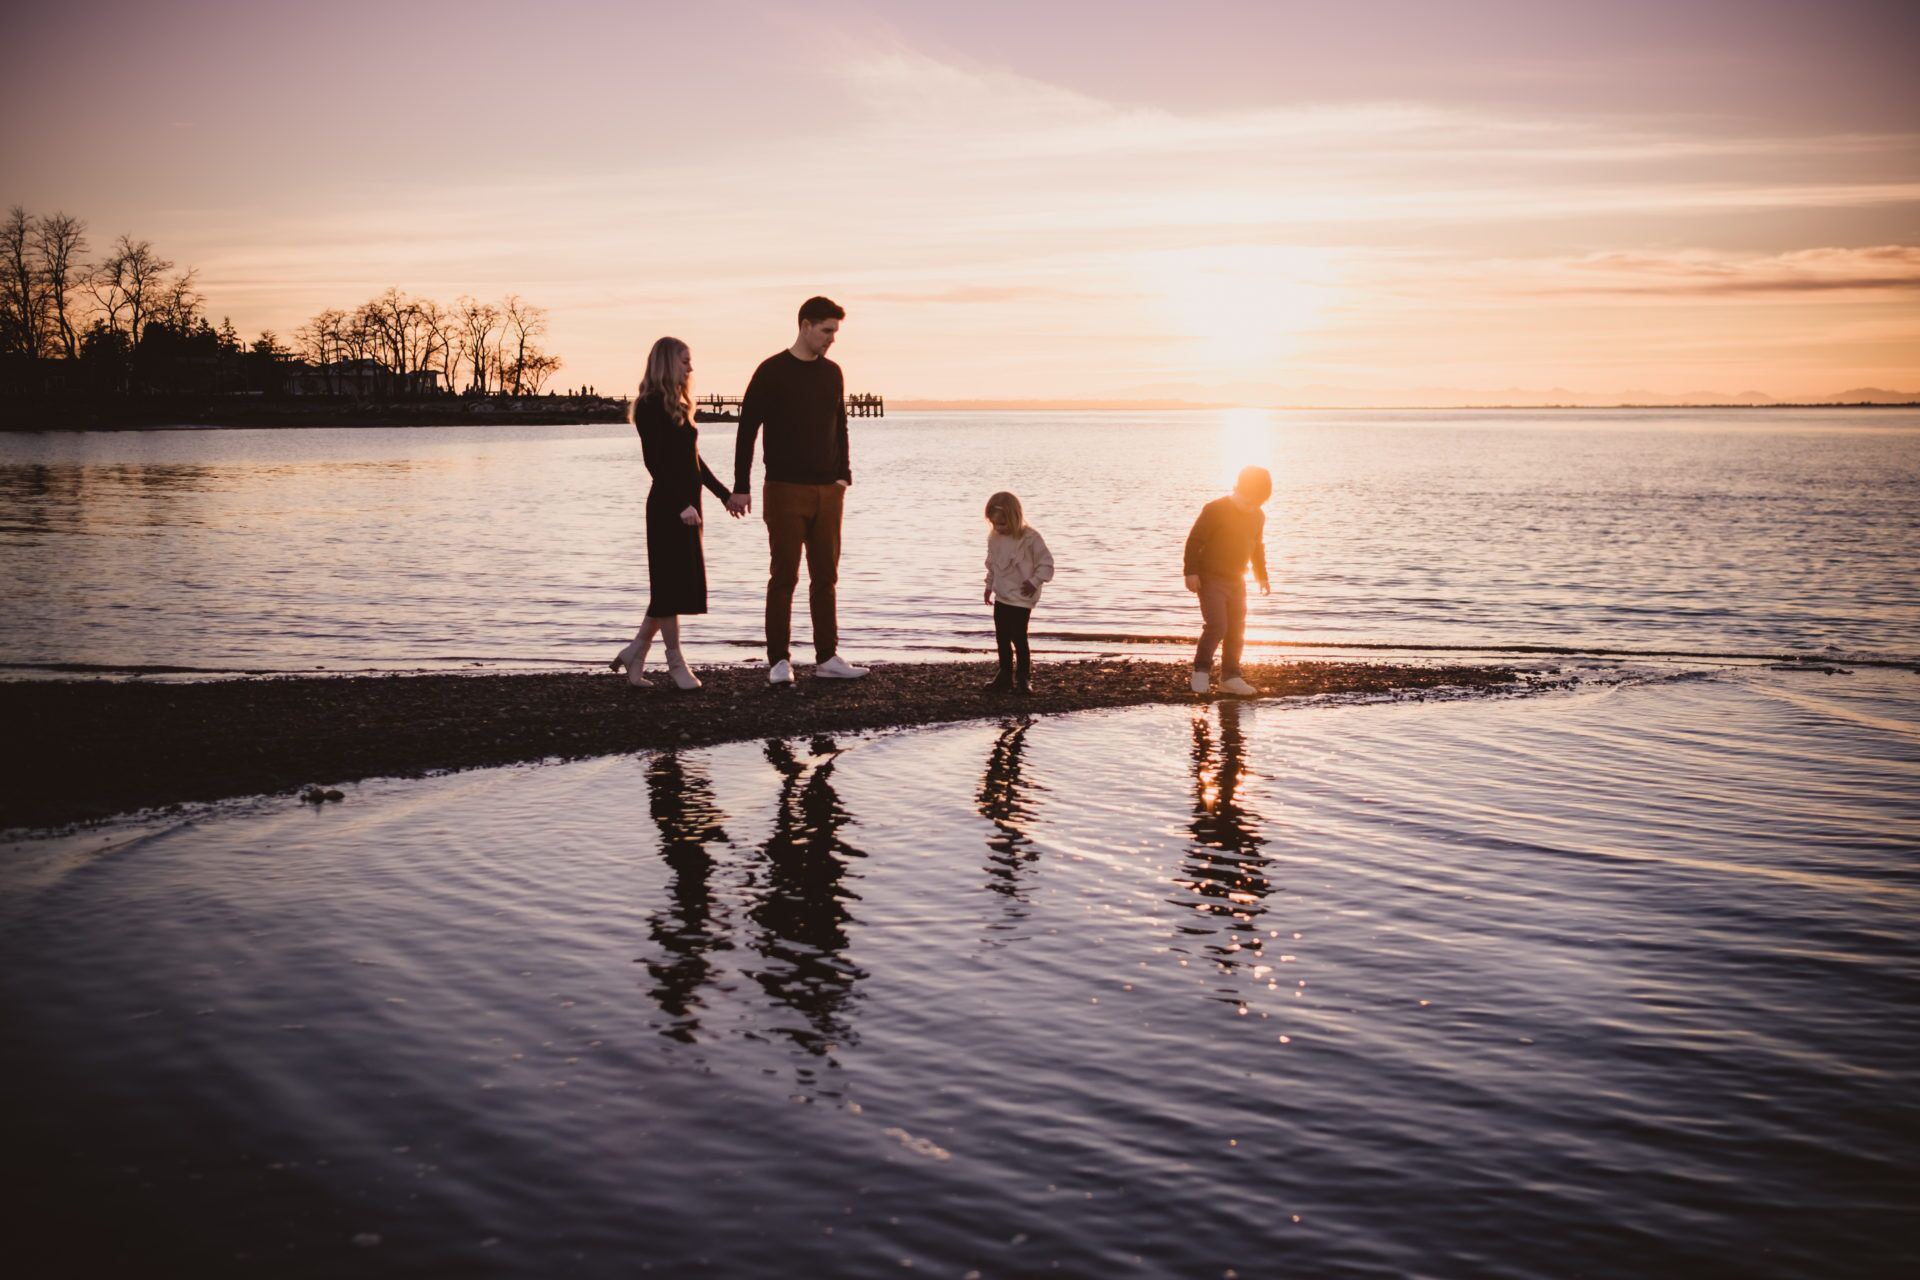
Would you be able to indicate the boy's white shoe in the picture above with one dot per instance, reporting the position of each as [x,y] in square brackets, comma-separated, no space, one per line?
[1200,682]
[782,673]
[838,668]
[1237,687]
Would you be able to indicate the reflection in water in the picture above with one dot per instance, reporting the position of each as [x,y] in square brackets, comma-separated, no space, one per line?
[1003,801]
[1224,865]
[26,494]
[686,929]
[801,911]
[1724,1087]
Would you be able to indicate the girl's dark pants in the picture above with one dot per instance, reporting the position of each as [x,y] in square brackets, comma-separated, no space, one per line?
[1010,633]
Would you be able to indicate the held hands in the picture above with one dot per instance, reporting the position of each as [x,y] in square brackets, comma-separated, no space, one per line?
[739,504]
[691,516]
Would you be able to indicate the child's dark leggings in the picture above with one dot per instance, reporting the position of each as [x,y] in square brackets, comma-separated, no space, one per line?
[1010,632]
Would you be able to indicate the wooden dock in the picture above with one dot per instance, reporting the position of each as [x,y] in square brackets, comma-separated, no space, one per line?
[727,408]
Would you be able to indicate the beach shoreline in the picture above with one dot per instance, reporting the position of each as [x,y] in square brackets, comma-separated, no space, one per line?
[332,413]
[86,751]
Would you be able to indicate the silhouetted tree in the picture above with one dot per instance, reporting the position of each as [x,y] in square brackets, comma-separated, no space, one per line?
[130,324]
[265,363]
[357,339]
[478,322]
[58,241]
[24,305]
[403,337]
[106,358]
[444,324]
[323,343]
[127,283]
[534,371]
[178,357]
[179,304]
[524,367]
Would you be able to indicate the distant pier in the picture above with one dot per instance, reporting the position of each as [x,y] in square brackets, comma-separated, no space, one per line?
[727,408]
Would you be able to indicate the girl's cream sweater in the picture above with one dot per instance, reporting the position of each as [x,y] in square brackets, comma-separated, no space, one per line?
[1016,560]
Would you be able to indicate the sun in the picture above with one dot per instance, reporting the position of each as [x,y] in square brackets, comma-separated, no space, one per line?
[1245,308]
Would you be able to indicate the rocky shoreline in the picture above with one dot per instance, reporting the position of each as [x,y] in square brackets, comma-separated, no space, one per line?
[81,751]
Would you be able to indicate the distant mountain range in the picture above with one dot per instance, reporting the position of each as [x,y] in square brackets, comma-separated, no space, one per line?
[1325,397]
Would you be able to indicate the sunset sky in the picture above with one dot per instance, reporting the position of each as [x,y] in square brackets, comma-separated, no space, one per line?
[1251,202]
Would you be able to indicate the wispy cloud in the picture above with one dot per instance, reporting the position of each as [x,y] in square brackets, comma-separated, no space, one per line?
[1704,274]
[951,204]
[983,295]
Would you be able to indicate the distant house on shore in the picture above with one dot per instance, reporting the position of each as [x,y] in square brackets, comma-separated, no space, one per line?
[363,379]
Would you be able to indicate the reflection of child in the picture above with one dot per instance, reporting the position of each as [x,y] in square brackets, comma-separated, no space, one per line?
[1224,540]
[1017,563]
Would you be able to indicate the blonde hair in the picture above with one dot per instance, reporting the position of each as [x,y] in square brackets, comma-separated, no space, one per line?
[662,379]
[1009,513]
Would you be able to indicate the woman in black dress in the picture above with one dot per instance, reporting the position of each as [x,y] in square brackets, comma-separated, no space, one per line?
[676,569]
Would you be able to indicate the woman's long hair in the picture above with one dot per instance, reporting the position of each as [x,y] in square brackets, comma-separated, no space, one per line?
[1003,509]
[662,379]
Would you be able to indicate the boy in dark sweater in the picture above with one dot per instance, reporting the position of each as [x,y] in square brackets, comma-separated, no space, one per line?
[1224,541]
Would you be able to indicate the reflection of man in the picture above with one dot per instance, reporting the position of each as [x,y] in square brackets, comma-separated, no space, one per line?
[799,396]
[802,912]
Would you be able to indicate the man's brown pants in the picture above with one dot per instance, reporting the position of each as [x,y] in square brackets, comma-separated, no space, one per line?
[802,517]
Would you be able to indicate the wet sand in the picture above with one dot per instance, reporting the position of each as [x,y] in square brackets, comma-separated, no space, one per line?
[80,751]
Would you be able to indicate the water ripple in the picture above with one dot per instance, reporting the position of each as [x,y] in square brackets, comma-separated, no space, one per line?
[1402,989]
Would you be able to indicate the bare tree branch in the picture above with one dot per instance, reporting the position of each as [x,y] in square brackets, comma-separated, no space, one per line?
[477,321]
[23,294]
[58,241]
[127,283]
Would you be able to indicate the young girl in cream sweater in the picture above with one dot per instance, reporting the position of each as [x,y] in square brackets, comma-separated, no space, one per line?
[1017,563]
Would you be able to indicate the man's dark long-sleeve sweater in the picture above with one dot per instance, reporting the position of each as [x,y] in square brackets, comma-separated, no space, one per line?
[802,405]
[1225,538]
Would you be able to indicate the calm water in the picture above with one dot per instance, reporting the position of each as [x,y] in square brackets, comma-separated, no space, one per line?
[1770,532]
[1615,982]
[1610,984]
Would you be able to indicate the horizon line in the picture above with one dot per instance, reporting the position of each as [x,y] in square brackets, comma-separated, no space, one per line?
[923,404]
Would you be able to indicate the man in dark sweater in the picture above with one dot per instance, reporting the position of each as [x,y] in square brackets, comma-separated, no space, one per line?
[1224,541]
[799,397]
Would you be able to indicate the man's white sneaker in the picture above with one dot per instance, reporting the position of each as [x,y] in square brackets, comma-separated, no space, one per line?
[1200,682]
[1238,688]
[838,668]
[781,673]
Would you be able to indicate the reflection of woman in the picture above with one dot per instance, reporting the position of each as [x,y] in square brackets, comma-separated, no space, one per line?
[676,566]
[681,801]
